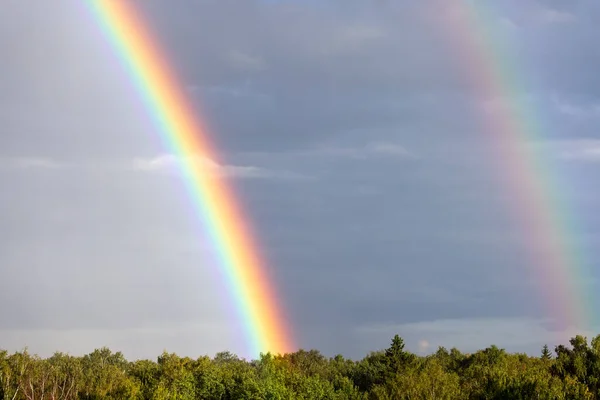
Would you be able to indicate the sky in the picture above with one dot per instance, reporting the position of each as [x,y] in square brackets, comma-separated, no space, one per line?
[354,135]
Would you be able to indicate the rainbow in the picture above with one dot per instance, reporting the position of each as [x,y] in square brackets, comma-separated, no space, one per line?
[557,261]
[264,326]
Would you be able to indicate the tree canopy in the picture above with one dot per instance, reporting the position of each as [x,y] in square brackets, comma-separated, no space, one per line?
[570,372]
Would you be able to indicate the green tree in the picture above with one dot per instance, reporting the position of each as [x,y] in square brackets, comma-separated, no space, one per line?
[546,354]
[429,381]
[370,371]
[9,388]
[209,380]
[105,375]
[395,356]
[147,374]
[176,381]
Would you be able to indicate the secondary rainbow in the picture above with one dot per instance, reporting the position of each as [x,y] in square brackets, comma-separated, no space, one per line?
[250,286]
[560,266]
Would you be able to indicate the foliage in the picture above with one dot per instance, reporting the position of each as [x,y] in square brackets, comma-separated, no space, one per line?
[394,373]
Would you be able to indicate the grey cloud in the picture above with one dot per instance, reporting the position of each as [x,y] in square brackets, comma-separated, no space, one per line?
[140,343]
[469,335]
[80,271]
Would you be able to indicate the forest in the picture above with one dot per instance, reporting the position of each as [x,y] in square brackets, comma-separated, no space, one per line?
[567,372]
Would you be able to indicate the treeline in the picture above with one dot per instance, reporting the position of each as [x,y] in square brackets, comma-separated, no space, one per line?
[568,372]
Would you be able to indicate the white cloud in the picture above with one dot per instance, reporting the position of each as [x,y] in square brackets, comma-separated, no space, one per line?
[169,163]
[556,17]
[154,164]
[423,346]
[163,163]
[350,38]
[502,105]
[235,91]
[590,154]
[336,151]
[245,62]
[361,32]
[508,23]
[585,150]
[390,149]
[29,163]
[576,110]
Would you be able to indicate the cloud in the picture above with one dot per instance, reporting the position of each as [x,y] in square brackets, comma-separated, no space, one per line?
[589,110]
[508,23]
[373,149]
[135,343]
[29,163]
[363,32]
[390,149]
[472,334]
[503,105]
[423,346]
[353,37]
[168,163]
[245,62]
[585,150]
[556,17]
